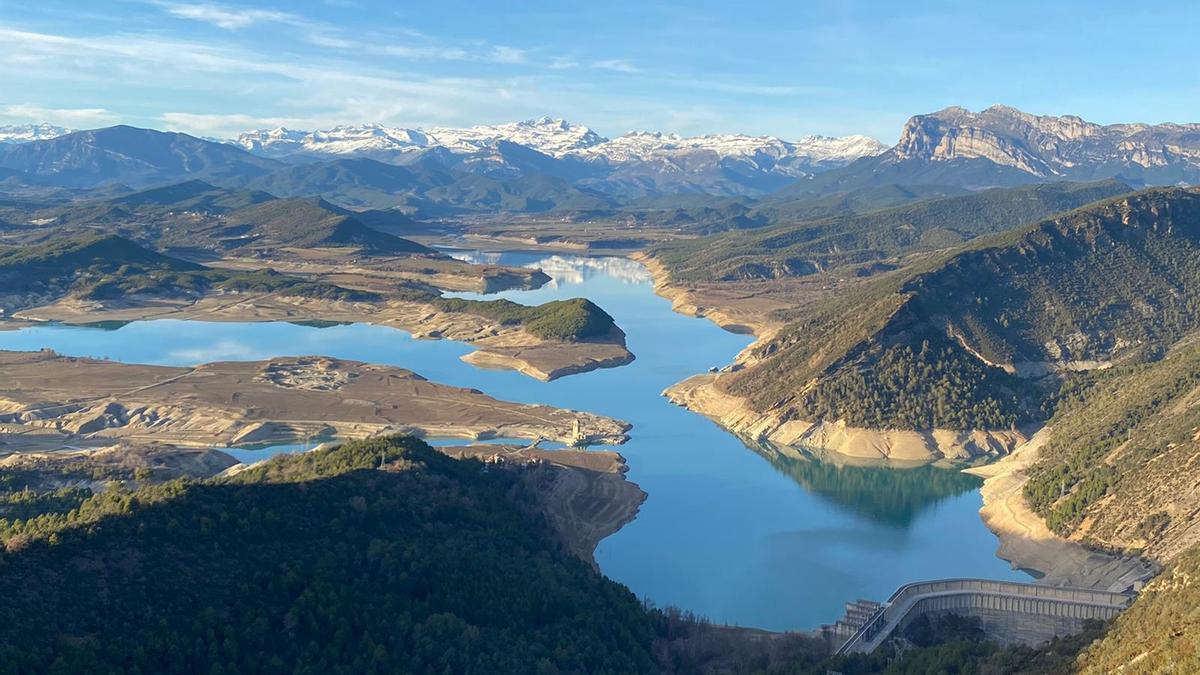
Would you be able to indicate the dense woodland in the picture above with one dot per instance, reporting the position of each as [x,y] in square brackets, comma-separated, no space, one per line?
[378,556]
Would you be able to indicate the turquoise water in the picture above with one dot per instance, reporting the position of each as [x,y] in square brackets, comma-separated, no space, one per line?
[739,534]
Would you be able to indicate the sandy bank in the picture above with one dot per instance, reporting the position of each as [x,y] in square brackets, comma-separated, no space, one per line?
[1026,542]
[551,361]
[283,400]
[700,394]
[499,346]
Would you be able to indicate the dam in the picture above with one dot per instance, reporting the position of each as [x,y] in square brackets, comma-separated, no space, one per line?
[1011,612]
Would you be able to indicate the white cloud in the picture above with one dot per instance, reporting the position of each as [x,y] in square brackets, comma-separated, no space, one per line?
[512,55]
[225,126]
[617,65]
[67,117]
[229,18]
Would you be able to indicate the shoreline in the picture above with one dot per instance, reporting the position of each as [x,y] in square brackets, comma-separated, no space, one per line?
[275,401]
[497,346]
[1027,543]
[1024,540]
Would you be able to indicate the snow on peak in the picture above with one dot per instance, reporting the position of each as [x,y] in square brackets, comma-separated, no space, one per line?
[551,136]
[559,138]
[646,145]
[24,133]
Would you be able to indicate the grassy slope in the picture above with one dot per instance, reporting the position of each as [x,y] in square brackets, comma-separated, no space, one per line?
[1119,279]
[314,563]
[1122,455]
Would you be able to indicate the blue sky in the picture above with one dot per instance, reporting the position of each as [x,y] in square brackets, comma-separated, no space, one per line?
[781,68]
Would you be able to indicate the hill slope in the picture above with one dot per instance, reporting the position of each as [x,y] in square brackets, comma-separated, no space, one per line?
[197,215]
[109,267]
[809,247]
[319,562]
[937,346]
[1119,466]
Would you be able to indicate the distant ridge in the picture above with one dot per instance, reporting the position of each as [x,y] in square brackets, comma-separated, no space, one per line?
[1003,146]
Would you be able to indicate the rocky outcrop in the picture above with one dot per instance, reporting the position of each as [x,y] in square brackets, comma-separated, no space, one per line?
[1048,146]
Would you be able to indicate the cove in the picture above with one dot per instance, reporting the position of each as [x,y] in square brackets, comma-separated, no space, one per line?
[739,533]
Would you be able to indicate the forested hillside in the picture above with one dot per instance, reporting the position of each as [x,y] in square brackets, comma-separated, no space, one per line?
[807,247]
[378,556]
[949,343]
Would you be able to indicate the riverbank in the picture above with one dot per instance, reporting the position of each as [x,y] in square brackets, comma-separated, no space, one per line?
[1027,543]
[498,345]
[278,401]
[703,395]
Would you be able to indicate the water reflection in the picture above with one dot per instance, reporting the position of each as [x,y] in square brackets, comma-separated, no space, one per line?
[569,270]
[563,270]
[892,495]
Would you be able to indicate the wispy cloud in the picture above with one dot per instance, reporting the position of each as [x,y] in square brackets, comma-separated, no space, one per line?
[69,117]
[511,55]
[229,18]
[616,65]
[225,125]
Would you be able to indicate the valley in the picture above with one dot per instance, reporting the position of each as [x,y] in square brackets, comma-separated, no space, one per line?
[971,354]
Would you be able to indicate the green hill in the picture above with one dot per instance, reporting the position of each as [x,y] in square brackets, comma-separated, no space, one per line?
[308,223]
[801,248]
[322,562]
[32,268]
[197,216]
[1117,281]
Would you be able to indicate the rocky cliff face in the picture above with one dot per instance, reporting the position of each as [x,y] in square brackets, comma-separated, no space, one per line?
[1048,146]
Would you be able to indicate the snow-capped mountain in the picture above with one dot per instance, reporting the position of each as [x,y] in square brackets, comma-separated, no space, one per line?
[23,133]
[636,163]
[554,137]
[811,150]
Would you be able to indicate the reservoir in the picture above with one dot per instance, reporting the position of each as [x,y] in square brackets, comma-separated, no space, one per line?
[740,534]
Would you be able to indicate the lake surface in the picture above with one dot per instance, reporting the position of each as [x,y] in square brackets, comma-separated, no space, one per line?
[740,534]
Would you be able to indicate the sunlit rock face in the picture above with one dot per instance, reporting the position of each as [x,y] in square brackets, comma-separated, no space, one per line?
[1048,146]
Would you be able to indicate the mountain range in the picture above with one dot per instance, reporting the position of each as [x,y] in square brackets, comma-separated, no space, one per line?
[551,164]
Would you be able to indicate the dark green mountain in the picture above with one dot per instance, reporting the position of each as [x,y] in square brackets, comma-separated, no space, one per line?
[808,247]
[426,186]
[309,223]
[132,156]
[33,268]
[1116,281]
